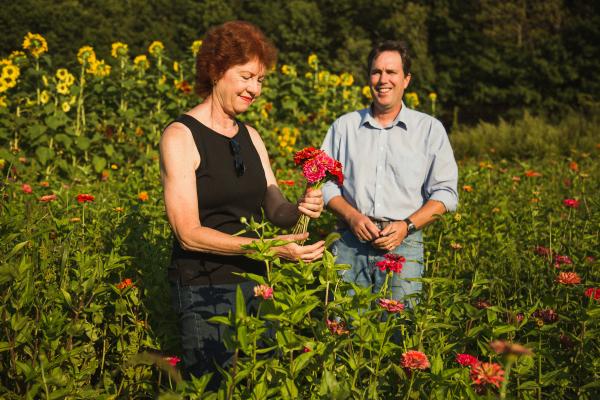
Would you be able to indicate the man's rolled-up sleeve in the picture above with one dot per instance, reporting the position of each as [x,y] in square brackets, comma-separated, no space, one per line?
[330,189]
[442,180]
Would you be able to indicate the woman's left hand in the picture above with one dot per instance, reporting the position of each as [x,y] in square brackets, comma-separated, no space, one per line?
[311,204]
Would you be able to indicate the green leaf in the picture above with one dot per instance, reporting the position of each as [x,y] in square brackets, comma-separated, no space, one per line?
[83,143]
[99,163]
[16,249]
[331,238]
[220,319]
[504,329]
[301,361]
[240,305]
[44,154]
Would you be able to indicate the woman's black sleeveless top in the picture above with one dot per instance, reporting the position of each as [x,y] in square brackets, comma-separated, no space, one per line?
[224,197]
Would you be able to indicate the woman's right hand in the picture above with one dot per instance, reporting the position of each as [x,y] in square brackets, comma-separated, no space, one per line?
[294,252]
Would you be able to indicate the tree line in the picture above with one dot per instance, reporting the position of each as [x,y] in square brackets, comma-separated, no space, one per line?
[485,59]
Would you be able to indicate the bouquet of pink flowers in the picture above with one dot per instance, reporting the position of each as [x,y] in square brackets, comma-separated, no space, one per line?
[317,168]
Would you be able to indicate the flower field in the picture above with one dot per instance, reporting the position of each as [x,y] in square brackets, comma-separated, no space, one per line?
[511,294]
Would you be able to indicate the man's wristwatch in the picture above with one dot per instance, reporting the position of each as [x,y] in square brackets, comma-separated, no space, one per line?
[410,226]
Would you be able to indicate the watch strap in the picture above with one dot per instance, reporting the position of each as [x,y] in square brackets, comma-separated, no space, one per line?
[410,226]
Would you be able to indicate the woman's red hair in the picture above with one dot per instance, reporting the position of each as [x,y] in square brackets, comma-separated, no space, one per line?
[229,44]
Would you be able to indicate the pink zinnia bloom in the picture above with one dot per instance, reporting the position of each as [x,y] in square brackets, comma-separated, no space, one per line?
[571,203]
[414,359]
[568,278]
[313,170]
[391,262]
[306,349]
[392,306]
[26,188]
[559,260]
[173,360]
[84,197]
[48,198]
[592,293]
[466,360]
[264,291]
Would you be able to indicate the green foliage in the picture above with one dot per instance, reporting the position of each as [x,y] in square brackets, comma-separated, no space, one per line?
[527,138]
[487,59]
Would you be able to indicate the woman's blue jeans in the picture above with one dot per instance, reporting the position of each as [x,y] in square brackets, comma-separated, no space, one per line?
[202,342]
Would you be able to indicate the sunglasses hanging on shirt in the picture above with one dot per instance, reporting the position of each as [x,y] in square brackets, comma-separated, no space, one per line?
[238,163]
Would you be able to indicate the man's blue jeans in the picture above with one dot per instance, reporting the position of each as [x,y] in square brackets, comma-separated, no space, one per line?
[362,256]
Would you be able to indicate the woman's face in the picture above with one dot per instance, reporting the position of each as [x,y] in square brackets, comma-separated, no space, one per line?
[239,86]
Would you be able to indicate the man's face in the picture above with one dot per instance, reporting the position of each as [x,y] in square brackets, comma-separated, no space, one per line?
[387,81]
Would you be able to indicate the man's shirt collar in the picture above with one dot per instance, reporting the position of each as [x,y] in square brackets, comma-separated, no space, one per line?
[400,120]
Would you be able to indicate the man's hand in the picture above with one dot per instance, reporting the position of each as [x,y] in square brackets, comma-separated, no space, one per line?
[391,236]
[363,228]
[311,203]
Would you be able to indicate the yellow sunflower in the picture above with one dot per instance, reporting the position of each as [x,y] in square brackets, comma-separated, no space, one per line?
[35,43]
[62,88]
[347,79]
[313,61]
[70,79]
[412,99]
[8,81]
[4,104]
[86,55]
[61,74]
[99,69]
[433,97]
[175,66]
[334,80]
[11,71]
[141,62]
[196,47]
[156,48]
[119,50]
[44,97]
[66,107]
[366,91]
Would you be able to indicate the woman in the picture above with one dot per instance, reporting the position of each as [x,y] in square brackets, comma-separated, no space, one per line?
[216,170]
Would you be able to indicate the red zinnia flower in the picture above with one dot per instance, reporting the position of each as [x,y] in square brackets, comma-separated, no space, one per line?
[173,360]
[415,360]
[573,166]
[125,283]
[84,197]
[542,251]
[487,373]
[48,198]
[532,174]
[592,293]
[26,188]
[287,182]
[466,360]
[572,203]
[305,154]
[568,278]
[392,306]
[264,291]
[391,262]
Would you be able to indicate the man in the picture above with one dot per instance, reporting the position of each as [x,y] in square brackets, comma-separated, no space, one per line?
[400,174]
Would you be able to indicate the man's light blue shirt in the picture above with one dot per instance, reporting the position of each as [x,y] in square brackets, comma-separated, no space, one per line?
[390,172]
